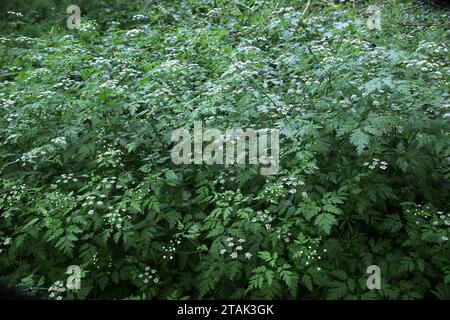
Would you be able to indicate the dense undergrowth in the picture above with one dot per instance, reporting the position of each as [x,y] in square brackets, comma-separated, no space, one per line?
[86,177]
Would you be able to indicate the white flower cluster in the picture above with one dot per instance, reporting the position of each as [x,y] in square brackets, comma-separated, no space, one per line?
[292,183]
[116,218]
[25,40]
[264,218]
[240,68]
[15,194]
[113,25]
[107,183]
[92,203]
[5,243]
[46,94]
[112,85]
[426,66]
[220,180]
[225,198]
[9,103]
[139,17]
[88,26]
[58,201]
[65,83]
[311,254]
[128,72]
[68,37]
[170,249]
[17,14]
[56,290]
[67,178]
[431,47]
[283,234]
[215,12]
[283,10]
[444,219]
[59,141]
[134,33]
[273,191]
[95,260]
[112,157]
[376,163]
[41,72]
[235,248]
[148,275]
[32,155]
[443,222]
[272,111]
[101,63]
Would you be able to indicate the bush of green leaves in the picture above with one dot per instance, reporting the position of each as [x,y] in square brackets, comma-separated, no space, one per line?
[86,177]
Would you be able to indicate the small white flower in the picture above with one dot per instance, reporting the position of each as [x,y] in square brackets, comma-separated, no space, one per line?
[239,248]
[234,255]
[241,240]
[248,255]
[231,244]
[222,252]
[444,238]
[90,212]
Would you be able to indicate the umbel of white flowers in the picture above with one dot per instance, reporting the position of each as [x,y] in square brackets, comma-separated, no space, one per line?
[236,142]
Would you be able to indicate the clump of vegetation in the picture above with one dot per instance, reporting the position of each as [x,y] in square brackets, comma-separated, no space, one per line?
[86,177]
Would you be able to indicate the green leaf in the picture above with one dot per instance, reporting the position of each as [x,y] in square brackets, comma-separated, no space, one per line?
[359,139]
[337,290]
[307,281]
[325,221]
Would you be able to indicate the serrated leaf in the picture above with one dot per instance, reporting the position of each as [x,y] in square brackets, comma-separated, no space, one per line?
[325,221]
[359,139]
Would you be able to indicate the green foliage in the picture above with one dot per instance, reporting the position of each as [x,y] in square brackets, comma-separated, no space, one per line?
[86,177]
